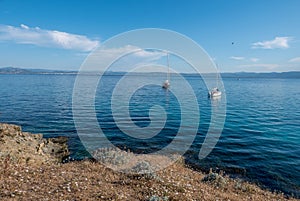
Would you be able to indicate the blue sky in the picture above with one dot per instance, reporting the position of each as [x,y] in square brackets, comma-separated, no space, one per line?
[60,34]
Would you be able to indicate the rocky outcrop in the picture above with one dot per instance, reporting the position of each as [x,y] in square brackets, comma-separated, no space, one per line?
[22,147]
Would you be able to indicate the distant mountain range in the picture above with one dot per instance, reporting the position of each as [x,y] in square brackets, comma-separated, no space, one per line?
[290,74]
[238,75]
[13,70]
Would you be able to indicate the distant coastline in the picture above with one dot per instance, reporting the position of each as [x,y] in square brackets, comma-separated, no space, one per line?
[237,75]
[14,70]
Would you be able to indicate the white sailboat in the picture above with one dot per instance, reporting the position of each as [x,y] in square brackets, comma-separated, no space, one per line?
[215,92]
[166,83]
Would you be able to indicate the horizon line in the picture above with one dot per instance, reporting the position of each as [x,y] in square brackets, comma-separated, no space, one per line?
[40,70]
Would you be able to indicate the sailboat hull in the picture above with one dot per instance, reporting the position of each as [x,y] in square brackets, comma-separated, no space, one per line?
[215,94]
[166,84]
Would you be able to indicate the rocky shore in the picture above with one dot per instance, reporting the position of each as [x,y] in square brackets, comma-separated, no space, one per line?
[31,169]
[26,148]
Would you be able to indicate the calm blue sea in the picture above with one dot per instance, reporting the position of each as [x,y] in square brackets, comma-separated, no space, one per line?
[260,140]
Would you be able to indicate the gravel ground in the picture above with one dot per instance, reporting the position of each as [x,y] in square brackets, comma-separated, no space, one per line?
[86,180]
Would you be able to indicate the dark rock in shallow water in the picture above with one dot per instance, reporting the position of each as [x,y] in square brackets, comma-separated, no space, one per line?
[23,147]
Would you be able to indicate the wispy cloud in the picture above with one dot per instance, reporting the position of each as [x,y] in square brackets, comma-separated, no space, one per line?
[123,58]
[244,59]
[254,59]
[46,38]
[295,60]
[130,52]
[24,26]
[237,58]
[262,65]
[278,42]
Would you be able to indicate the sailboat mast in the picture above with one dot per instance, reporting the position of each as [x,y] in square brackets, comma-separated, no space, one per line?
[168,75]
[217,75]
